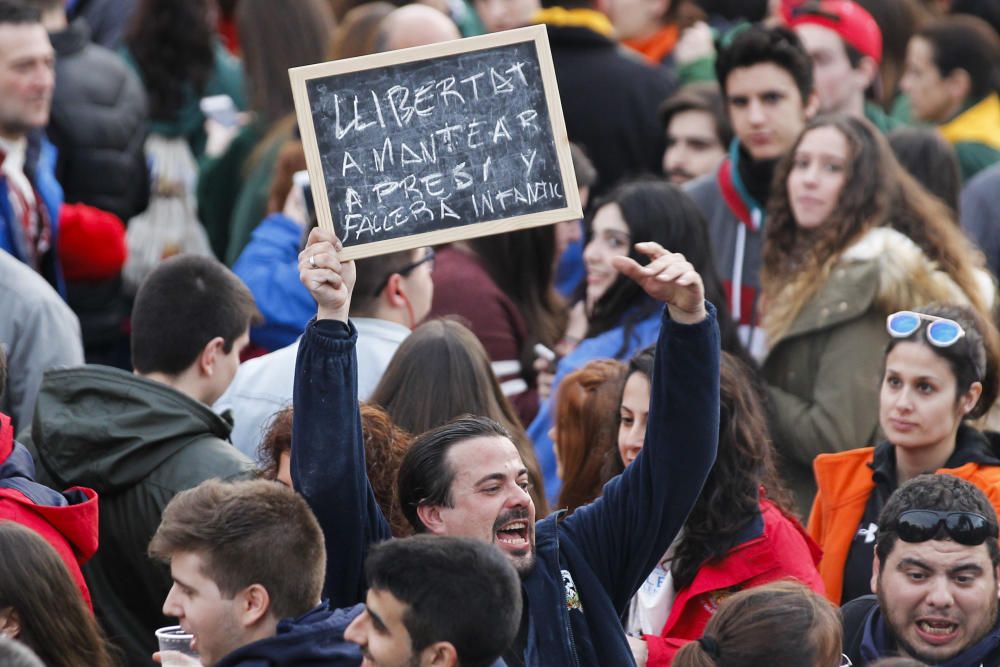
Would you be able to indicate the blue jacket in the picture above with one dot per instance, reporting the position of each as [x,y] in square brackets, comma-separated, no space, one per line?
[589,564]
[599,347]
[269,266]
[40,167]
[315,638]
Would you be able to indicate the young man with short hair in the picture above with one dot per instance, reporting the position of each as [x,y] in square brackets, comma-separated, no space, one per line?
[246,559]
[467,479]
[767,82]
[30,196]
[138,439]
[441,601]
[698,132]
[951,78]
[393,295]
[934,576]
[845,44]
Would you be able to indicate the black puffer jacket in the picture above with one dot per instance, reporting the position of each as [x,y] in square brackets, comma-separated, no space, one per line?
[98,123]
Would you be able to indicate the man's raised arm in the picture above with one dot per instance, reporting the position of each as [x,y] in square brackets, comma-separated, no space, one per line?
[328,455]
[626,531]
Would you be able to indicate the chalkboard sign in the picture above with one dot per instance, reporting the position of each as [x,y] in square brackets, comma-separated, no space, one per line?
[436,143]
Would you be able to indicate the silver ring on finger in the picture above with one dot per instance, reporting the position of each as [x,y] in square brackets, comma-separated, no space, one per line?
[312,261]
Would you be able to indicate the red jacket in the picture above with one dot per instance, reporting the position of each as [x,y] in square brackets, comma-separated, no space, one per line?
[783,551]
[67,521]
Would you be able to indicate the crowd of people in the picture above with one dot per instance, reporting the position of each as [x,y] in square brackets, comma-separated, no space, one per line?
[743,413]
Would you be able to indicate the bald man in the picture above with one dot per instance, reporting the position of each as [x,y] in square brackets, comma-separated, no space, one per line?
[415,25]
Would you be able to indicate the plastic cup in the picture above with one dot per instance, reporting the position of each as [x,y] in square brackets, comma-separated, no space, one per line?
[175,646]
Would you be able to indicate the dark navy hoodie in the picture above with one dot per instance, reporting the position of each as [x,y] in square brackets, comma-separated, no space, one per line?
[315,638]
[589,564]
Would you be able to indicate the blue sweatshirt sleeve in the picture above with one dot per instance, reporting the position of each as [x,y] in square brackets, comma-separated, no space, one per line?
[269,266]
[328,456]
[625,532]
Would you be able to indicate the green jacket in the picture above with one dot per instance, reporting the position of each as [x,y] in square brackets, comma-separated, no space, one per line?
[823,371]
[137,443]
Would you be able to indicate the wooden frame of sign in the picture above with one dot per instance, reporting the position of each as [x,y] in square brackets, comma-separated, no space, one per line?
[438,143]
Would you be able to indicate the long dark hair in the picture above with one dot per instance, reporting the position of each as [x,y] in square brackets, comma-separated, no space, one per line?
[275,36]
[522,264]
[744,467]
[55,622]
[660,212]
[172,44]
[440,372]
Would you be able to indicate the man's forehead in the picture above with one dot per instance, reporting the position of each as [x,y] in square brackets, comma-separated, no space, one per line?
[24,38]
[759,78]
[473,456]
[940,554]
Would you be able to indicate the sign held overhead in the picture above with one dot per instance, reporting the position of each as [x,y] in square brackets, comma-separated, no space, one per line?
[436,143]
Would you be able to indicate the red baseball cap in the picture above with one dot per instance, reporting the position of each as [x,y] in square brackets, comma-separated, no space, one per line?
[848,19]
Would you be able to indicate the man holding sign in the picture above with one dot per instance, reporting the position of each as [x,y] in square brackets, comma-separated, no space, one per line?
[466,478]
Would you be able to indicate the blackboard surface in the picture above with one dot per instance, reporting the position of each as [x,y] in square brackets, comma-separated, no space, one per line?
[438,144]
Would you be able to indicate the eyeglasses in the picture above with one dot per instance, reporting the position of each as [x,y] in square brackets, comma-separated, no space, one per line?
[406,270]
[966,528]
[941,332]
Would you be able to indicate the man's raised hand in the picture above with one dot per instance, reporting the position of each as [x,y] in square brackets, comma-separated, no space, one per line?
[669,278]
[329,280]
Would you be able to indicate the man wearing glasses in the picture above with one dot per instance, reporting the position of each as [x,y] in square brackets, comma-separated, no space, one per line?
[935,579]
[392,296]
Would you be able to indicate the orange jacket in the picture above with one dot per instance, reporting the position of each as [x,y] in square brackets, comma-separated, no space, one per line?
[844,482]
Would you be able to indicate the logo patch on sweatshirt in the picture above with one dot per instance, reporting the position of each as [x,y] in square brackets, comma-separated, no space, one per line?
[572,596]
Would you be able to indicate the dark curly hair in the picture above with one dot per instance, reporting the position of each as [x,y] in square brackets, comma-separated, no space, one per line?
[941,492]
[743,473]
[759,44]
[172,44]
[385,446]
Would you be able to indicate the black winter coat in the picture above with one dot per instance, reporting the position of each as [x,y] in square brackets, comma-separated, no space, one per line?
[98,123]
[610,98]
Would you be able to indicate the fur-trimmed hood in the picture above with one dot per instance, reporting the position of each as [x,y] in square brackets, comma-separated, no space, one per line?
[884,270]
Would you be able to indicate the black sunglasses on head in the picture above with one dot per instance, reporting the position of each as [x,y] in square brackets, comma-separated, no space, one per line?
[966,528]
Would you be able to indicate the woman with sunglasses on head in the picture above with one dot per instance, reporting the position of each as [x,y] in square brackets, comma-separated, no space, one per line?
[850,238]
[939,371]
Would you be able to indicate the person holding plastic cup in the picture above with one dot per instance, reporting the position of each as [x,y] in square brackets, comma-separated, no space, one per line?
[940,370]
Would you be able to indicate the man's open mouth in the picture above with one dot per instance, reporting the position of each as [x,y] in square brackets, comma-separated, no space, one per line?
[937,631]
[514,533]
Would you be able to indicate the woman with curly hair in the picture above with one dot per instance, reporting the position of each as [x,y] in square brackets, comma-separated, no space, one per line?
[850,238]
[172,46]
[385,446]
[740,533]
